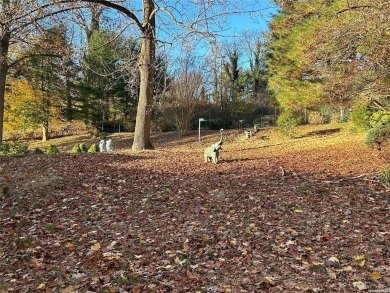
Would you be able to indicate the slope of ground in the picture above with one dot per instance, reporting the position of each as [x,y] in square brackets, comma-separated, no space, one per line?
[165,221]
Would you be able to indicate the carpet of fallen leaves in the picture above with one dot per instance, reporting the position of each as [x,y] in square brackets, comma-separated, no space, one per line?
[165,221]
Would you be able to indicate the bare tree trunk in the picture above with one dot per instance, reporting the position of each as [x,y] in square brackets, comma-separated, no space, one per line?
[46,112]
[215,73]
[147,70]
[3,75]
[45,131]
[96,12]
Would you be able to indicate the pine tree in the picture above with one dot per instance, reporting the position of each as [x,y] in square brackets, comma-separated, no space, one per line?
[44,75]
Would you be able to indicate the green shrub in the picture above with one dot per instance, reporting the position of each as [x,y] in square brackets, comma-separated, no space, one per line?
[380,117]
[384,176]
[76,149]
[79,148]
[14,148]
[288,121]
[52,149]
[98,134]
[379,131]
[83,147]
[102,135]
[38,151]
[129,124]
[94,133]
[4,149]
[19,148]
[361,114]
[378,134]
[93,149]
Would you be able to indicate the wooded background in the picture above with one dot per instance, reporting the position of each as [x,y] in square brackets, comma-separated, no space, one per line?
[103,62]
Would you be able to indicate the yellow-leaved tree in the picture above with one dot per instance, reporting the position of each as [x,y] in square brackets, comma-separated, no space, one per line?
[27,108]
[18,93]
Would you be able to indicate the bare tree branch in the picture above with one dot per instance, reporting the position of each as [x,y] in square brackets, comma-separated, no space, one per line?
[119,8]
[24,57]
[357,7]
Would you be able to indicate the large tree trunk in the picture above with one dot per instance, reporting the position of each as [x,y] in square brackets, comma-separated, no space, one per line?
[3,75]
[46,112]
[147,69]
[45,131]
[4,46]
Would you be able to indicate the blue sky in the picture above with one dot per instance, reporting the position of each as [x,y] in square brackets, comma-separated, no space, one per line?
[242,22]
[235,25]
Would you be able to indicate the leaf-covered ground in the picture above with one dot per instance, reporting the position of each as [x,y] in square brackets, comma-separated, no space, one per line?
[165,221]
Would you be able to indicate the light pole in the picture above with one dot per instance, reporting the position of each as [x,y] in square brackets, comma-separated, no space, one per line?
[200,120]
[240,123]
[120,122]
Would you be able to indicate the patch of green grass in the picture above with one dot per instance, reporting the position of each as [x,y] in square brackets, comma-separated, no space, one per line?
[50,227]
[14,148]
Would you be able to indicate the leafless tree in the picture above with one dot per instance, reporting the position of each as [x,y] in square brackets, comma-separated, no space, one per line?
[254,43]
[184,93]
[183,18]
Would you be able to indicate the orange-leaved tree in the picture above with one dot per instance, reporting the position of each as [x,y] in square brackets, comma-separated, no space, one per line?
[27,108]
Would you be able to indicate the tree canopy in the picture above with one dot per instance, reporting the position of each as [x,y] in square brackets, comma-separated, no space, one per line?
[329,52]
[20,19]
[315,54]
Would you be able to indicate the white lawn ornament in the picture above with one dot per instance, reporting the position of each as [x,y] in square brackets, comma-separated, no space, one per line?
[211,154]
[102,146]
[109,145]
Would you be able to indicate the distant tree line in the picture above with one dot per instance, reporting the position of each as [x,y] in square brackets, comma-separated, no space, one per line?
[100,84]
[318,61]
[113,74]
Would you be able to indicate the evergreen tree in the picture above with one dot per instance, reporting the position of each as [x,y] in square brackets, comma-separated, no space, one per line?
[329,52]
[293,77]
[45,75]
[102,85]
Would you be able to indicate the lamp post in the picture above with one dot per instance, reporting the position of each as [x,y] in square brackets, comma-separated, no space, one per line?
[120,122]
[103,121]
[200,120]
[240,123]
